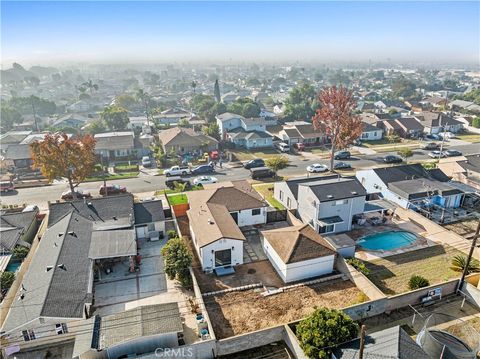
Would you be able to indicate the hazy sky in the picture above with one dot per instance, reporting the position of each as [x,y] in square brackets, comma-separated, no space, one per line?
[55,32]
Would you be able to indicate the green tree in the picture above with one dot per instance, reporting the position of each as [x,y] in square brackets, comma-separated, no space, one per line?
[323,330]
[212,130]
[90,85]
[403,87]
[144,98]
[405,153]
[178,259]
[6,280]
[476,122]
[25,105]
[276,163]
[417,281]
[183,123]
[216,91]
[194,86]
[96,126]
[115,117]
[126,101]
[459,262]
[9,116]
[20,252]
[300,104]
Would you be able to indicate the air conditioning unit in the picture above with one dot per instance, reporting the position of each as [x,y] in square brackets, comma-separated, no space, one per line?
[154,236]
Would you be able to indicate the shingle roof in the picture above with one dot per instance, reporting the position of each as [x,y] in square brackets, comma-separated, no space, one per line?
[18,152]
[422,187]
[472,163]
[12,226]
[336,189]
[295,182]
[392,343]
[184,136]
[148,211]
[114,141]
[109,244]
[240,133]
[409,123]
[112,211]
[400,173]
[298,243]
[228,116]
[9,238]
[139,322]
[235,199]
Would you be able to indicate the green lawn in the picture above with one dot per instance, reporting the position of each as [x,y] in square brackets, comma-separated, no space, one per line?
[391,274]
[126,168]
[172,191]
[266,190]
[469,137]
[180,198]
[245,155]
[116,176]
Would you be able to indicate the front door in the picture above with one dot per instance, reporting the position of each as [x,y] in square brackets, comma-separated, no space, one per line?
[235,216]
[223,258]
[141,231]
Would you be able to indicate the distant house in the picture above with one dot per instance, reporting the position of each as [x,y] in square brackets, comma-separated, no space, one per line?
[411,185]
[390,127]
[19,156]
[298,252]
[228,121]
[172,116]
[302,132]
[215,215]
[70,120]
[185,140]
[461,105]
[463,169]
[409,127]
[370,132]
[17,229]
[115,145]
[249,140]
[12,138]
[436,122]
[229,97]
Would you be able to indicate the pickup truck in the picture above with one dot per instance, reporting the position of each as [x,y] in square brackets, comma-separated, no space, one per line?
[177,171]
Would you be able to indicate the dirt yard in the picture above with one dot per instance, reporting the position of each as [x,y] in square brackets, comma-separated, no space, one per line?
[241,312]
[391,274]
[464,228]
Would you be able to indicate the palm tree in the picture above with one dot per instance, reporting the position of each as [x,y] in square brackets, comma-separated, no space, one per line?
[194,85]
[144,98]
[90,85]
[459,262]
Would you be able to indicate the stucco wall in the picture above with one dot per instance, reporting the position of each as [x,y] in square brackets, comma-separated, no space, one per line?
[282,186]
[346,211]
[310,268]
[369,179]
[208,258]
[245,217]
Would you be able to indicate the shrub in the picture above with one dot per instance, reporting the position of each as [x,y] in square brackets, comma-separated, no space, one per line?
[476,122]
[417,281]
[6,280]
[20,252]
[177,261]
[459,262]
[358,265]
[324,329]
[171,233]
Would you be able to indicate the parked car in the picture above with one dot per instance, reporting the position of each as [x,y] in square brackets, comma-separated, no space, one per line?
[453,153]
[430,146]
[170,182]
[177,171]
[342,166]
[202,169]
[204,180]
[6,186]
[257,162]
[316,168]
[446,135]
[299,146]
[261,172]
[146,161]
[342,155]
[77,194]
[357,142]
[431,137]
[109,190]
[437,154]
[283,147]
[392,159]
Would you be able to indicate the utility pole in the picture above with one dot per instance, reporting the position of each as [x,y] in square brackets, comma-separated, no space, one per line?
[34,114]
[362,342]
[443,137]
[469,258]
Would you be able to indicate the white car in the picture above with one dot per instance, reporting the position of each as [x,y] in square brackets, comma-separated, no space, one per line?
[437,154]
[204,180]
[317,167]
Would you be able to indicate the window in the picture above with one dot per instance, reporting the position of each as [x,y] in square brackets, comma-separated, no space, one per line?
[151,227]
[281,195]
[289,202]
[28,335]
[326,229]
[340,202]
[61,328]
[255,212]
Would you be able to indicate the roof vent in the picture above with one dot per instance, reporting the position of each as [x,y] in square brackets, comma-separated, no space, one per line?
[329,196]
[354,192]
[72,233]
[90,204]
[62,266]
[210,221]
[114,218]
[49,268]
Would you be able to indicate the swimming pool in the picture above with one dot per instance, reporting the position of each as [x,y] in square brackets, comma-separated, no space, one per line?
[387,240]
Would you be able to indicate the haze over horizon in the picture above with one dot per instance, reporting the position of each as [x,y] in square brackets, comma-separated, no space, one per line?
[53,33]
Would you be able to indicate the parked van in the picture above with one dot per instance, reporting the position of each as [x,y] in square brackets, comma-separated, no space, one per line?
[261,172]
[283,147]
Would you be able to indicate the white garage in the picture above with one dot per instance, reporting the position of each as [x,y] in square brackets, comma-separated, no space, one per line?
[298,253]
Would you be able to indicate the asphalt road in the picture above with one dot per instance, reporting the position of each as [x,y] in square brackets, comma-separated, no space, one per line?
[147,183]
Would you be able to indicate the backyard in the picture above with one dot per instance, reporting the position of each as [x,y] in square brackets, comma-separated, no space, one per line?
[464,228]
[266,190]
[245,311]
[175,199]
[391,274]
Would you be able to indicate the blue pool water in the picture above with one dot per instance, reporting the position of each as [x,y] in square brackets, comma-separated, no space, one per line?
[387,240]
[13,266]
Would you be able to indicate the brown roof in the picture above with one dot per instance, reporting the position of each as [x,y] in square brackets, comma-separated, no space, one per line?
[234,199]
[298,243]
[183,136]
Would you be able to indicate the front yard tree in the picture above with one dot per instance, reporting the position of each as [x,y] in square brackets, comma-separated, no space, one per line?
[115,117]
[324,329]
[178,259]
[405,153]
[277,163]
[212,130]
[336,119]
[59,156]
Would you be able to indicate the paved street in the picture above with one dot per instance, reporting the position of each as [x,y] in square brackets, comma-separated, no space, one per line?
[149,183]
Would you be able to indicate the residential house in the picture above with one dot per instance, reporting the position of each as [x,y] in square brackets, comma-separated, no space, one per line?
[461,105]
[409,127]
[370,132]
[112,146]
[228,121]
[250,140]
[216,215]
[302,132]
[149,219]
[329,205]
[465,169]
[298,252]
[172,116]
[18,156]
[390,127]
[229,97]
[185,140]
[70,120]
[17,229]
[436,122]
[12,138]
[411,185]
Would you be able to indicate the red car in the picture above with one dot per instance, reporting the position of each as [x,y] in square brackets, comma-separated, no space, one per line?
[299,146]
[109,190]
[6,186]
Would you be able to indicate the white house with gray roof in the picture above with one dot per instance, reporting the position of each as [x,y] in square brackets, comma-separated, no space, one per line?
[245,132]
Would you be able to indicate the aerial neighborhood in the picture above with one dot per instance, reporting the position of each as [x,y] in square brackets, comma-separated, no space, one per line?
[240,210]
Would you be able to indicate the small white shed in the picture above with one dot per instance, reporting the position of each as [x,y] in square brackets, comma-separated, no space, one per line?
[298,253]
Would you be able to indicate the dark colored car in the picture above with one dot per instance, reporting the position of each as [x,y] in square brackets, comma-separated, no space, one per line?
[109,190]
[342,155]
[261,172]
[257,162]
[170,182]
[341,166]
[392,159]
[202,169]
[453,153]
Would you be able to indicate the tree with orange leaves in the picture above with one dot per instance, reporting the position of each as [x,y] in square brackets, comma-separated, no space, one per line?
[60,156]
[335,118]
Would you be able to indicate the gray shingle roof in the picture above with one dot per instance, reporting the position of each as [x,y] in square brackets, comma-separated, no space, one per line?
[109,244]
[295,182]
[422,187]
[18,152]
[400,173]
[12,226]
[336,188]
[114,141]
[148,212]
